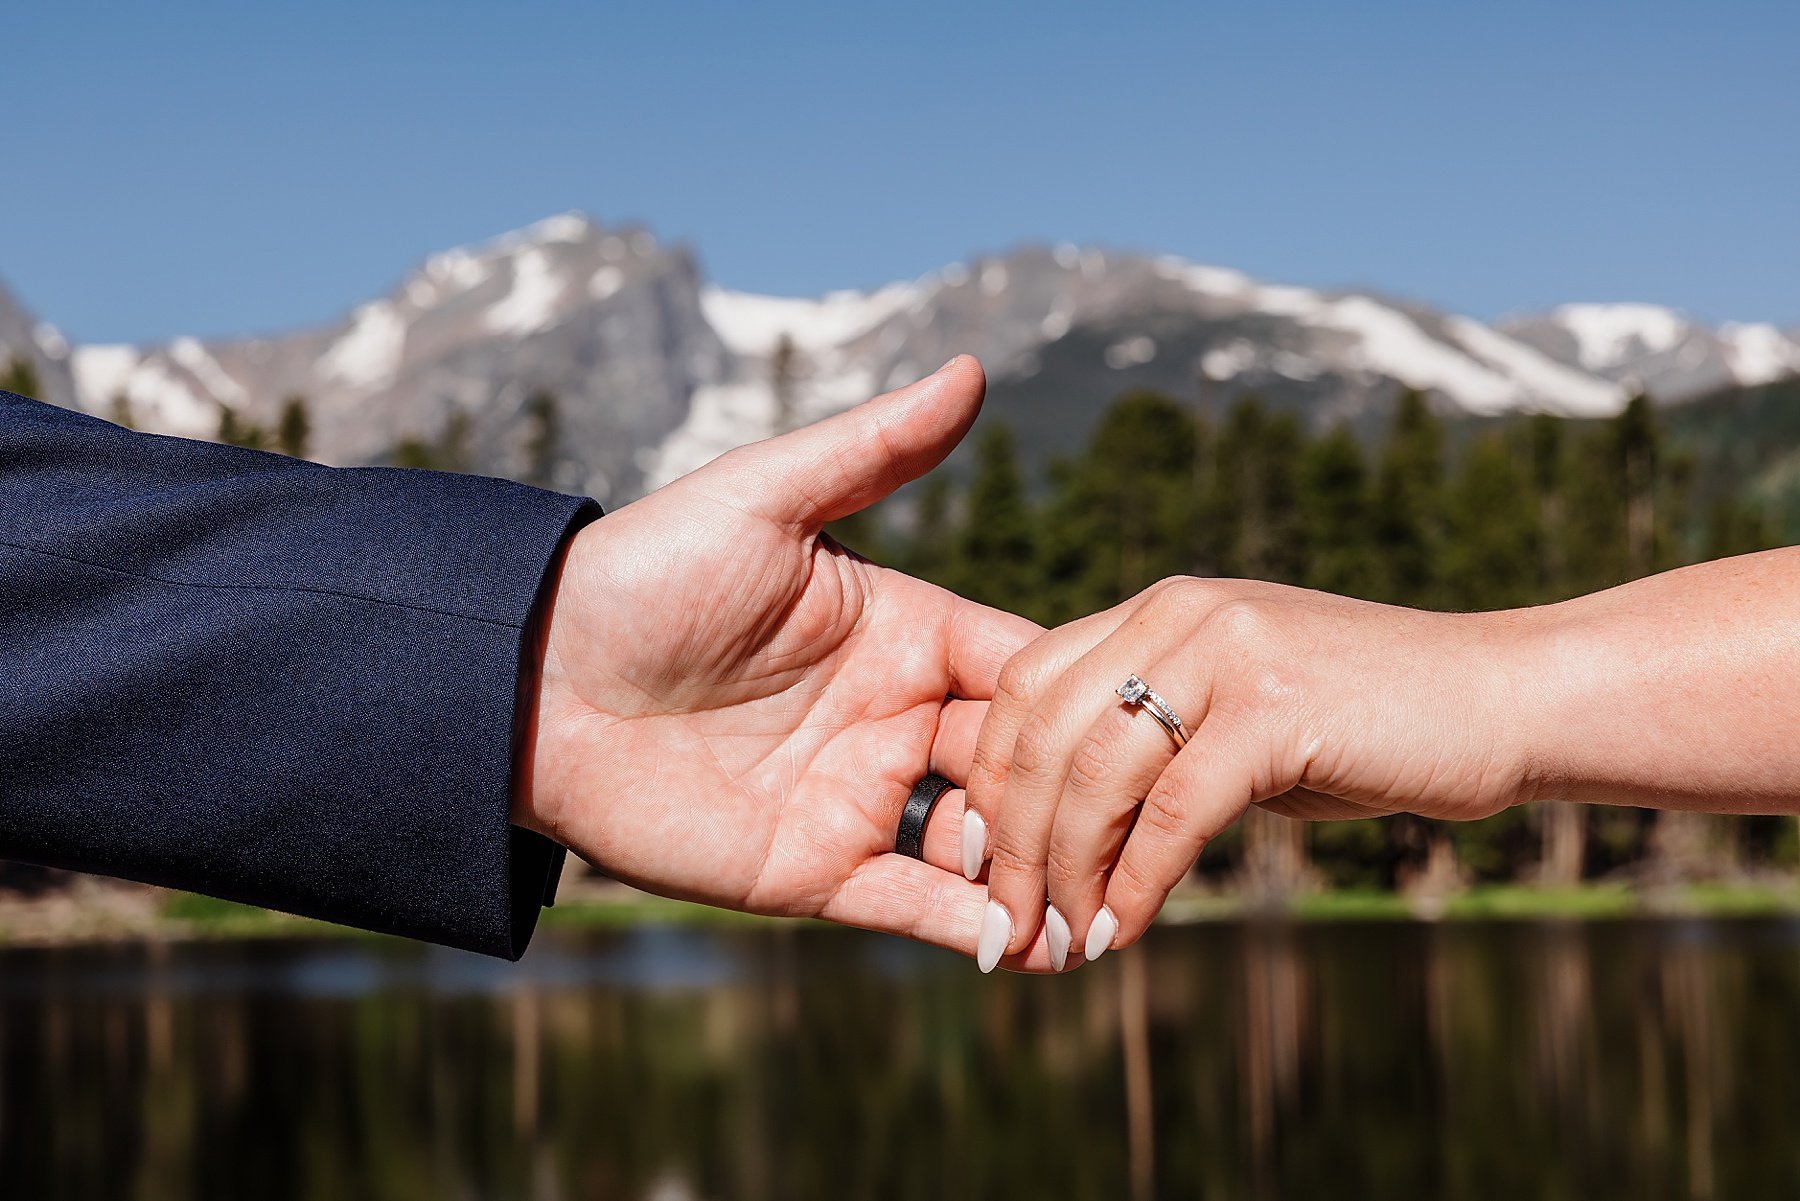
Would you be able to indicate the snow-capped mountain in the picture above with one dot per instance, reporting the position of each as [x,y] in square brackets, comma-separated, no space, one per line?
[607,321]
[1665,352]
[655,371]
[1116,322]
[38,345]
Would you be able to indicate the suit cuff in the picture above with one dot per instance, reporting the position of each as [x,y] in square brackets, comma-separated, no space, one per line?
[536,861]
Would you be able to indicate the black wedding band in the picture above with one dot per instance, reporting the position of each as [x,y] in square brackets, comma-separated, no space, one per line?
[910,841]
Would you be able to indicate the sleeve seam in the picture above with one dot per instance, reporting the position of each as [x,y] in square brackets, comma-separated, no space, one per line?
[299,588]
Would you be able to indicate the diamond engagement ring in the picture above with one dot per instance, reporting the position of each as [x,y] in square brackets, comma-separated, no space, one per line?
[1135,692]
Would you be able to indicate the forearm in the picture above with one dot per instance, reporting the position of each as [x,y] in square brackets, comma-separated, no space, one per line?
[1677,691]
[266,680]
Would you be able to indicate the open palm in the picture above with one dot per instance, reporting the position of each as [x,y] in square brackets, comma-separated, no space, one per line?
[733,708]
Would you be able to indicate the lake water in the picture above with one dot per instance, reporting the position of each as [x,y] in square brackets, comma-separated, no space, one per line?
[1534,1060]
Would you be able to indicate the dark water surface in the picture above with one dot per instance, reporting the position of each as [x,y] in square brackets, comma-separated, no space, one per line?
[1631,1060]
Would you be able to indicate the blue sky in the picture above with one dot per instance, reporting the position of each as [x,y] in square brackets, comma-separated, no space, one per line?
[221,168]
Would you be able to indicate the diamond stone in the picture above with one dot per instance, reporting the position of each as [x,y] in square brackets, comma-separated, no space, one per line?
[1133,690]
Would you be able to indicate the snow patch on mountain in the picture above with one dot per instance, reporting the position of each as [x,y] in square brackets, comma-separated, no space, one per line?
[103,372]
[1606,334]
[1759,353]
[460,269]
[738,412]
[1577,394]
[159,397]
[202,366]
[1668,354]
[368,354]
[1208,281]
[749,324]
[1389,342]
[532,302]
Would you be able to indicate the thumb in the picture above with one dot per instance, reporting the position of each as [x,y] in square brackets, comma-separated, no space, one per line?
[848,462]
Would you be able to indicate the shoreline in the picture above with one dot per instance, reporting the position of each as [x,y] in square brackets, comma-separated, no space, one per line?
[114,914]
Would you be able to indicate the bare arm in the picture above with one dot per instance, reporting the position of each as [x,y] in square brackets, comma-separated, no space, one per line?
[1679,690]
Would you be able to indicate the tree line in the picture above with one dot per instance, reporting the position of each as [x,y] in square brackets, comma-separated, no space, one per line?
[1474,516]
[1462,516]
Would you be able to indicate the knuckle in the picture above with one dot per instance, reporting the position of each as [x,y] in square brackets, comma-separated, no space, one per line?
[1163,812]
[1242,624]
[987,768]
[1248,636]
[1008,859]
[1133,894]
[1066,868]
[1179,596]
[1092,767]
[1035,747]
[1272,686]
[1017,682]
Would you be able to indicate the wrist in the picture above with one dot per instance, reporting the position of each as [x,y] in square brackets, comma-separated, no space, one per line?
[1480,693]
[1536,652]
[540,679]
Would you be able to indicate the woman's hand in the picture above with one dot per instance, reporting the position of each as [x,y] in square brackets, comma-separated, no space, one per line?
[1310,704]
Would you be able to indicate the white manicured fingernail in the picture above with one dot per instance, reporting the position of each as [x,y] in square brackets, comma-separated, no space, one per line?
[1100,933]
[996,932]
[974,843]
[1056,933]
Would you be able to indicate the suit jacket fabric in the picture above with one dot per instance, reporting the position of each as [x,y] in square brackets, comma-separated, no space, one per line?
[268,680]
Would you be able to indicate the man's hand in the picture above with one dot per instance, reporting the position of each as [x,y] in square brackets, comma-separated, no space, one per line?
[732,709]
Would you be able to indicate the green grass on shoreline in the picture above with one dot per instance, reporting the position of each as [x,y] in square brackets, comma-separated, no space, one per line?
[188,916]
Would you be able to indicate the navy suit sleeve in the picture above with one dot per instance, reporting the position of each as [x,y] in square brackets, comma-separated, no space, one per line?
[271,681]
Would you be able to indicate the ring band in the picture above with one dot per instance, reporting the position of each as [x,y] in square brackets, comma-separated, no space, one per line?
[1140,695]
[910,840]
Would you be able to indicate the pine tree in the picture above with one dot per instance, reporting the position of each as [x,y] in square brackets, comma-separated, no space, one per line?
[930,546]
[1492,555]
[20,378]
[415,452]
[1335,516]
[1546,450]
[543,439]
[1738,526]
[449,451]
[786,369]
[1594,531]
[294,430]
[236,432]
[1638,443]
[453,444]
[1122,516]
[996,559]
[1251,518]
[1409,504]
[861,533]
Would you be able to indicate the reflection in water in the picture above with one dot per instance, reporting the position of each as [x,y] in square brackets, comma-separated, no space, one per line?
[1140,1101]
[1643,1060]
